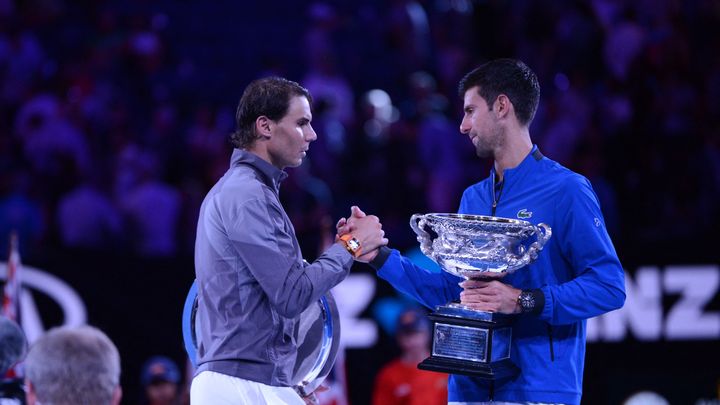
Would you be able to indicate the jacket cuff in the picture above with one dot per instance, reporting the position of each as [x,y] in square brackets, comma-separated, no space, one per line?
[381,258]
[342,253]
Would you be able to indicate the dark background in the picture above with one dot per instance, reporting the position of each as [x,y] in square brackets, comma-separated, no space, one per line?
[114,119]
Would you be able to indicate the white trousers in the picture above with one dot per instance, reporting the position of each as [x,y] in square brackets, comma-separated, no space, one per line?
[211,388]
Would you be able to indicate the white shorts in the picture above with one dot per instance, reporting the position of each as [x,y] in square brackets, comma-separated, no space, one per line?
[211,388]
[498,403]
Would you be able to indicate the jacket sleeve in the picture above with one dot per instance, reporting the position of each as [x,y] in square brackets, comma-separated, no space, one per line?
[427,287]
[264,243]
[598,282]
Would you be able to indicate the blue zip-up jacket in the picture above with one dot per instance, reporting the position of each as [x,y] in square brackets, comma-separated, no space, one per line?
[578,273]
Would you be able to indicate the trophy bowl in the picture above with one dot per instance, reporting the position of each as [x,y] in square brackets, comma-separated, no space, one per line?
[476,246]
[465,340]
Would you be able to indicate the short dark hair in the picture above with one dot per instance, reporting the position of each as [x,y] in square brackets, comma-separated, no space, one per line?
[506,76]
[269,96]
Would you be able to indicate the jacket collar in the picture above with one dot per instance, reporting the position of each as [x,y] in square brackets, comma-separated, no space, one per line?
[271,175]
[527,164]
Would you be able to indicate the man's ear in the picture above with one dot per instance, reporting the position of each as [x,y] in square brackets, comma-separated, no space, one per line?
[263,127]
[117,396]
[502,106]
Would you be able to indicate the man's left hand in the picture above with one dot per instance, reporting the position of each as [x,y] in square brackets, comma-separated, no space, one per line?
[490,296]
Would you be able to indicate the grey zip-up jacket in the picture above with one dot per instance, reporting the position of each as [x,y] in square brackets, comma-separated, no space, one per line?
[252,281]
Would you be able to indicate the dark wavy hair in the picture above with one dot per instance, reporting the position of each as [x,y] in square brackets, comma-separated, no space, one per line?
[268,96]
[510,77]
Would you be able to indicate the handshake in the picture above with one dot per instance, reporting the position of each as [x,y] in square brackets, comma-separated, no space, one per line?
[361,234]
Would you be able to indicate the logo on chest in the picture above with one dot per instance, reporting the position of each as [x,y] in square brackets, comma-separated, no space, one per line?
[524,214]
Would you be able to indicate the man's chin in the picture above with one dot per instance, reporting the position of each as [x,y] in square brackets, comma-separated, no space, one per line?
[483,153]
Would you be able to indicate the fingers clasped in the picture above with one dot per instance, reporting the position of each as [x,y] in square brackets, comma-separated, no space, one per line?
[367,229]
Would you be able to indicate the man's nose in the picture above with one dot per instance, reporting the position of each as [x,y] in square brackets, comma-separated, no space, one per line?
[464,126]
[311,135]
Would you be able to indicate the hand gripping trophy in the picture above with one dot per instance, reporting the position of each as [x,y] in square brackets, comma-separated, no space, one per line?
[465,340]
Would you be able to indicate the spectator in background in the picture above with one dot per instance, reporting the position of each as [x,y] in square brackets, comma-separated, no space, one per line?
[51,142]
[400,382]
[329,85]
[21,60]
[20,210]
[442,153]
[13,346]
[160,379]
[150,206]
[86,216]
[113,79]
[69,366]
[407,35]
[324,79]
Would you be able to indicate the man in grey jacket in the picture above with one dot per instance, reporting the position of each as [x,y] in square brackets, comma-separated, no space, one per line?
[253,283]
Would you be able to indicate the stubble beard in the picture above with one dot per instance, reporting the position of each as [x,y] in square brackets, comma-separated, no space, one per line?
[487,146]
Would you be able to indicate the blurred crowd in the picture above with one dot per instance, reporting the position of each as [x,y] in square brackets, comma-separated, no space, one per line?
[115,116]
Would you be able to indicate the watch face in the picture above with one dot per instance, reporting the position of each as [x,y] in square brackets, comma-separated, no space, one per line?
[353,244]
[527,301]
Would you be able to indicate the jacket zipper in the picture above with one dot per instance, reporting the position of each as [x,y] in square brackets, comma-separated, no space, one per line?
[496,197]
[552,350]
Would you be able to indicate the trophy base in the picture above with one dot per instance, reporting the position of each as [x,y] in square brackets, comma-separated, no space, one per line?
[470,342]
[492,371]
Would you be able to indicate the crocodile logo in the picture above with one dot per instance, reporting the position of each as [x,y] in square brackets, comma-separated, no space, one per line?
[524,214]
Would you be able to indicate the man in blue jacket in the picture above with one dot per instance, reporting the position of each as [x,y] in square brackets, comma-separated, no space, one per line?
[577,276]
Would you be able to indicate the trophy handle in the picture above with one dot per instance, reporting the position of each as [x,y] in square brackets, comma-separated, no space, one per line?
[417,223]
[544,232]
[542,237]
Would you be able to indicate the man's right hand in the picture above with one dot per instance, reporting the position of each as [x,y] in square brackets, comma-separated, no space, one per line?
[366,229]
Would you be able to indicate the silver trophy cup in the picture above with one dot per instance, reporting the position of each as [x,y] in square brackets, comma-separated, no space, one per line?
[468,341]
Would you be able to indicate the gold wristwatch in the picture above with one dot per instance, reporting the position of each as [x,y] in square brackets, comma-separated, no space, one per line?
[351,244]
